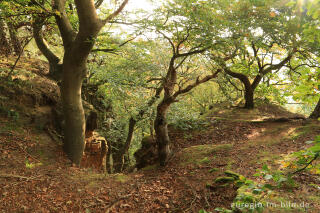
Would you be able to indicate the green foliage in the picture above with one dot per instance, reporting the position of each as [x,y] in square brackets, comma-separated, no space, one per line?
[185,115]
[303,160]
[10,113]
[223,210]
[32,165]
[275,178]
[250,194]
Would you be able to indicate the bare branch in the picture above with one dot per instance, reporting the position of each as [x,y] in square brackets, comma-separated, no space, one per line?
[115,13]
[192,52]
[98,3]
[196,83]
[110,50]
[182,41]
[170,41]
[255,52]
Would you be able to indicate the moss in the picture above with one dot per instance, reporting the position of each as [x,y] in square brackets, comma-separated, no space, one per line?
[313,198]
[202,154]
[121,178]
[224,180]
[150,167]
[93,185]
[230,164]
[12,126]
[232,174]
[204,160]
[213,170]
[302,131]
[265,156]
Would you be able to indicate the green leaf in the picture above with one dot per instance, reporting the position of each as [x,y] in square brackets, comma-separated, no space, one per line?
[309,142]
[257,191]
[268,177]
[265,167]
[268,186]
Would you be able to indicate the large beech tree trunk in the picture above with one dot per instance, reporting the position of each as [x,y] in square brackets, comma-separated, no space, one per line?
[74,130]
[316,112]
[249,97]
[77,46]
[162,136]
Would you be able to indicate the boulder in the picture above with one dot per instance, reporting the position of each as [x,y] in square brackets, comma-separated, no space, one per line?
[148,153]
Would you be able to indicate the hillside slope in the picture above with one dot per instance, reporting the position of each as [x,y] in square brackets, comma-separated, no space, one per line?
[36,176]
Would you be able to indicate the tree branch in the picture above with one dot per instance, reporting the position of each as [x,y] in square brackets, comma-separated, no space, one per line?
[43,47]
[310,162]
[64,25]
[98,3]
[192,52]
[169,40]
[196,83]
[115,13]
[113,49]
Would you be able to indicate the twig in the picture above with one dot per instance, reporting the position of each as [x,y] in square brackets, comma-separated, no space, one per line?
[19,56]
[25,150]
[303,168]
[192,202]
[3,175]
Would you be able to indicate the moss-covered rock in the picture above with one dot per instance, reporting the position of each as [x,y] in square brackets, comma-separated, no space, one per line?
[223,180]
[147,155]
[232,174]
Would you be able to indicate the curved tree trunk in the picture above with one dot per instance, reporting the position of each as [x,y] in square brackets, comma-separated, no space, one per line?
[162,136]
[249,88]
[316,112]
[74,130]
[55,69]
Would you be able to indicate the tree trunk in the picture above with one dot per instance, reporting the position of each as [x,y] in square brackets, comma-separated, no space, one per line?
[162,136]
[15,42]
[74,131]
[109,167]
[249,100]
[120,158]
[249,88]
[316,112]
[4,43]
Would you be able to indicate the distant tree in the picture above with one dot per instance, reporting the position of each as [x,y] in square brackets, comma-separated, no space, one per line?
[264,37]
[129,78]
[304,71]
[177,24]
[316,112]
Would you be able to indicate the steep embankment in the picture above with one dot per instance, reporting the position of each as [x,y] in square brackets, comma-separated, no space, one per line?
[35,175]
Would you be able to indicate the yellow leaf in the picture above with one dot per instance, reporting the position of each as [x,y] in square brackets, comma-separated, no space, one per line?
[273,14]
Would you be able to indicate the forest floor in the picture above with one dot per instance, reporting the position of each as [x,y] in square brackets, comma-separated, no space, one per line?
[36,176]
